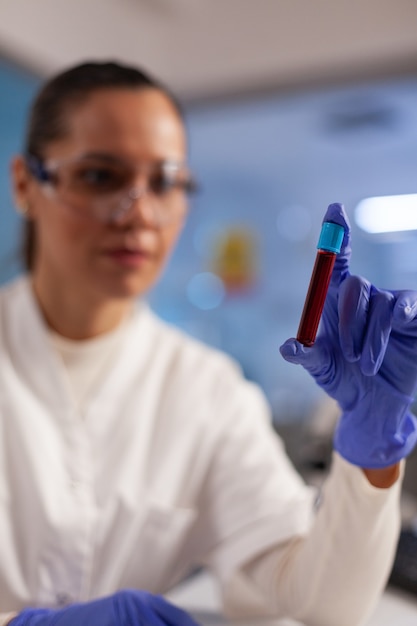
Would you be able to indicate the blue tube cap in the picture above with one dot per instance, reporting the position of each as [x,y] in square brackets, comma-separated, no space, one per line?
[331,237]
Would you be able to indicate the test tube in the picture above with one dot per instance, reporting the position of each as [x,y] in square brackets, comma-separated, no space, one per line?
[328,247]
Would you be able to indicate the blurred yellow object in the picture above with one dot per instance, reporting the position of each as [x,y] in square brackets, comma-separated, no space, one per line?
[235,259]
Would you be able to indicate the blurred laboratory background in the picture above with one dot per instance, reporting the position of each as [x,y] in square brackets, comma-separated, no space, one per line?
[291,105]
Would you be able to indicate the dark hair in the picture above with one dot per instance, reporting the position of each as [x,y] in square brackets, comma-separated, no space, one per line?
[64,91]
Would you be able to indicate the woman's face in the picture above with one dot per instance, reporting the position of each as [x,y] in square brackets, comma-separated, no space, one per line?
[119,258]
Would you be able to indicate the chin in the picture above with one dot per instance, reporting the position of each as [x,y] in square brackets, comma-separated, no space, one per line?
[124,288]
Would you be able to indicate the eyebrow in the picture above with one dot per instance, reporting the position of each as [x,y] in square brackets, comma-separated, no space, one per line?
[111,158]
[103,156]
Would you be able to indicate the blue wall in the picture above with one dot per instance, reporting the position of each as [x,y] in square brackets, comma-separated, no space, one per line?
[16,91]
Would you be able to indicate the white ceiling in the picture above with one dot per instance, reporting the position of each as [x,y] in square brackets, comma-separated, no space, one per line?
[204,48]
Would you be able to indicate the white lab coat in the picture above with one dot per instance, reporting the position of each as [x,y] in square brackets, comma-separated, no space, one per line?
[172,464]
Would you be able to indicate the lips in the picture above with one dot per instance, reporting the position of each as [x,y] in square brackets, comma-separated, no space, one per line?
[134,249]
[127,257]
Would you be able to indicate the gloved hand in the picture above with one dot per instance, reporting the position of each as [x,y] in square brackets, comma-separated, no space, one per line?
[124,608]
[365,356]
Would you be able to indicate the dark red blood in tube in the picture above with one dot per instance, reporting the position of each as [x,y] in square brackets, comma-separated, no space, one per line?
[316,296]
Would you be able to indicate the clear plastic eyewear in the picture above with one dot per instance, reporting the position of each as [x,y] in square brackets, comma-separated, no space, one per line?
[106,188]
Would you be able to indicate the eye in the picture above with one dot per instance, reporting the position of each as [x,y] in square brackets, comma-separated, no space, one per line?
[162,182]
[98,178]
[170,177]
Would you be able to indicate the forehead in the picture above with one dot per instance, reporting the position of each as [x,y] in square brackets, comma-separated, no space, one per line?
[136,123]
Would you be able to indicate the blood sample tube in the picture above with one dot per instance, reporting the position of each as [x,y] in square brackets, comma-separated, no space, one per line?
[328,247]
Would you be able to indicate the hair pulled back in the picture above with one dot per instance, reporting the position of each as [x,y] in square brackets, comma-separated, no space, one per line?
[54,103]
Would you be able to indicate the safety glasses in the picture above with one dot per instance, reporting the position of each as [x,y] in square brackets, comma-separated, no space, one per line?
[105,188]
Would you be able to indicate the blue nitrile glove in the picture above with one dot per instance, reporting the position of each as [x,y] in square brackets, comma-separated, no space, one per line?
[365,356]
[124,608]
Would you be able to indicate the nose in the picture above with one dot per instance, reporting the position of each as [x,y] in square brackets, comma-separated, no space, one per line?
[137,204]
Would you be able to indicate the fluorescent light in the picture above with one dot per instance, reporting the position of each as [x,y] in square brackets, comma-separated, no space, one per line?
[387,214]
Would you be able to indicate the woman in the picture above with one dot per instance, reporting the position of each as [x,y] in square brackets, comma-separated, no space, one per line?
[131,454]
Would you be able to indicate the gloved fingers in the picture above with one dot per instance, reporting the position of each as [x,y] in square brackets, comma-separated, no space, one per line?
[132,607]
[313,359]
[34,617]
[365,321]
[171,614]
[405,312]
[144,617]
[378,330]
[293,351]
[335,213]
[353,307]
[148,617]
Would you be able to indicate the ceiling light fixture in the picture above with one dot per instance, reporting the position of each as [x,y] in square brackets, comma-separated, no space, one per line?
[387,214]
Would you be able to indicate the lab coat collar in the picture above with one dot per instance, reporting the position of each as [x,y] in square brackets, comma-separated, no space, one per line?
[42,367]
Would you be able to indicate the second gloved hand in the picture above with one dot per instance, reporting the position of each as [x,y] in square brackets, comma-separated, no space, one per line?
[365,356]
[124,608]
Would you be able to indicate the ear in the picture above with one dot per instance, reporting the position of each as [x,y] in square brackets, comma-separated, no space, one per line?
[22,186]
